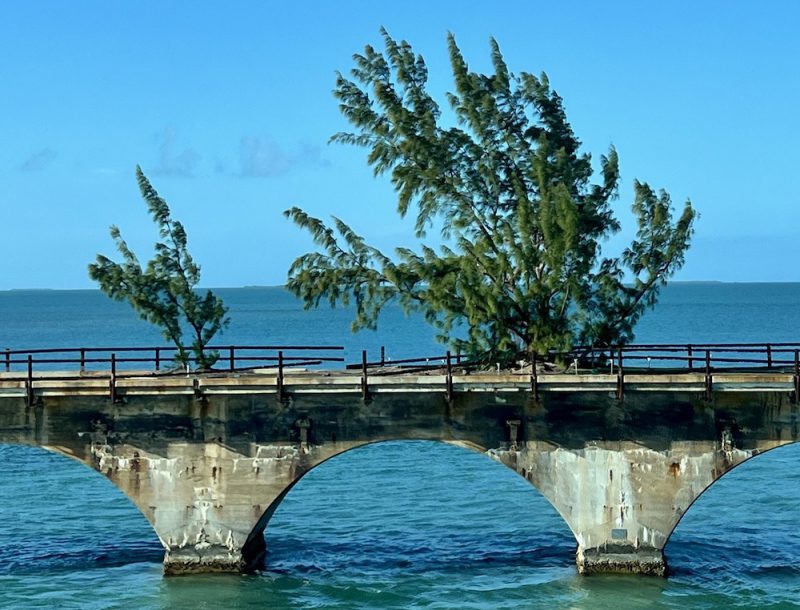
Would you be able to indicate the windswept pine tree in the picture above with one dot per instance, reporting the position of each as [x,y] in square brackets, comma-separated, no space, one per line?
[514,198]
[164,292]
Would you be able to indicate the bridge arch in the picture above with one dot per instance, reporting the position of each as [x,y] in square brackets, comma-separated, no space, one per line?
[543,509]
[791,445]
[273,506]
[53,501]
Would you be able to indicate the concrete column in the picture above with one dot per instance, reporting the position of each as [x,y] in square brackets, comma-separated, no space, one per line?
[203,499]
[209,504]
[621,499]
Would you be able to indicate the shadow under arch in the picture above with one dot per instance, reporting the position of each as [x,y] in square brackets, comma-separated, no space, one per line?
[67,517]
[549,522]
[735,468]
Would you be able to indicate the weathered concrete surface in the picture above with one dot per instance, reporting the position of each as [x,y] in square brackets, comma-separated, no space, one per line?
[624,476]
[622,500]
[208,469]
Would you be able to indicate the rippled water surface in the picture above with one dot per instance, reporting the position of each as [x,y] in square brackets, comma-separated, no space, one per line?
[400,524]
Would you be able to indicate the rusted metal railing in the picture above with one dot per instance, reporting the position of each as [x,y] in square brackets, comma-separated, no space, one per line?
[231,358]
[114,363]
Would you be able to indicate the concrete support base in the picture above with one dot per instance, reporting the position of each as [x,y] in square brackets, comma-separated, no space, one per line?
[622,500]
[621,559]
[204,558]
[193,560]
[213,558]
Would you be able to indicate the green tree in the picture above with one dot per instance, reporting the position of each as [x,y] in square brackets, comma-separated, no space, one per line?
[164,292]
[512,194]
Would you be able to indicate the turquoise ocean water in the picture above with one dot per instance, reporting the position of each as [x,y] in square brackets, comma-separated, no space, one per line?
[423,525]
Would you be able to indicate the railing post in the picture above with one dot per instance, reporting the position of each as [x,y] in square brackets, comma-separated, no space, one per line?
[113,383]
[709,381]
[232,357]
[364,385]
[8,360]
[691,360]
[534,378]
[383,356]
[620,376]
[83,359]
[769,356]
[158,358]
[29,382]
[279,380]
[449,379]
[796,376]
[458,355]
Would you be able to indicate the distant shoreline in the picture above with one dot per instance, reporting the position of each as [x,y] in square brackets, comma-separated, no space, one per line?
[274,286]
[248,287]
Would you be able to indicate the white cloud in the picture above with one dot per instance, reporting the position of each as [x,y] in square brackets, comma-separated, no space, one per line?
[261,156]
[174,163]
[39,160]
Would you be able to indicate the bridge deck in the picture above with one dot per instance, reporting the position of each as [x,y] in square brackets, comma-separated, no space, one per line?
[266,382]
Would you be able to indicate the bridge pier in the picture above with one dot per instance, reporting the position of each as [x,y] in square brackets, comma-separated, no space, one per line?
[204,500]
[208,503]
[622,500]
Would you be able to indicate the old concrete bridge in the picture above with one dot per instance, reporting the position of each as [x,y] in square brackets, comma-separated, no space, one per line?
[208,458]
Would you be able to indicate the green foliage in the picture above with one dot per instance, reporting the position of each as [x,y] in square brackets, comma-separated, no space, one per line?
[513,196]
[163,293]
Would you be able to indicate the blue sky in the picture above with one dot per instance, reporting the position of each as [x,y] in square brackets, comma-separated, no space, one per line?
[228,109]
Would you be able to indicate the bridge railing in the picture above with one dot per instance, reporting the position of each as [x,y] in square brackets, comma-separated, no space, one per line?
[657,357]
[161,360]
[703,358]
[700,357]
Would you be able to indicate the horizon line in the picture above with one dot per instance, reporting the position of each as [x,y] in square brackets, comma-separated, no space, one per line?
[259,286]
